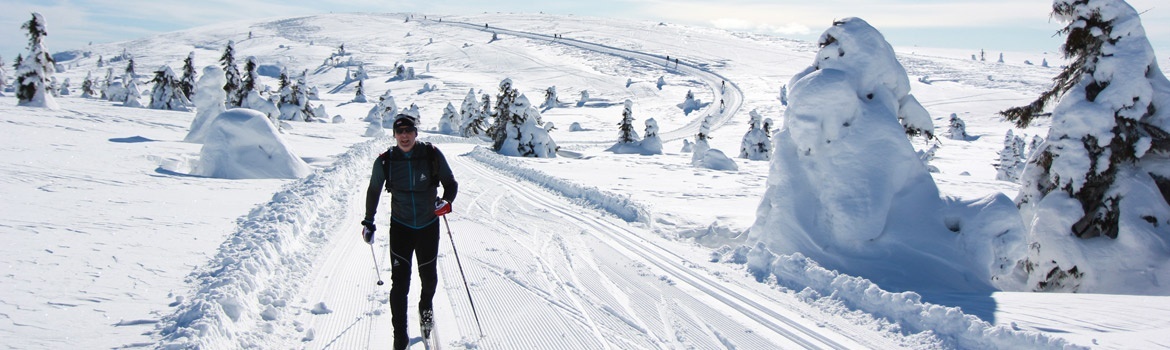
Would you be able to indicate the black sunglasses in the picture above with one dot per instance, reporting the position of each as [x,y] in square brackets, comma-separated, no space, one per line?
[405,129]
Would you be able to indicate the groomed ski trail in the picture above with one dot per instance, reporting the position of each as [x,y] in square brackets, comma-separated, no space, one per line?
[731,95]
[546,272]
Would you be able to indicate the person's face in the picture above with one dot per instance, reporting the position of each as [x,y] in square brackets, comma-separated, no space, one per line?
[405,137]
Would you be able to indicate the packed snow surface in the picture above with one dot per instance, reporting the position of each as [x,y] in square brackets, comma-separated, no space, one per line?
[117,239]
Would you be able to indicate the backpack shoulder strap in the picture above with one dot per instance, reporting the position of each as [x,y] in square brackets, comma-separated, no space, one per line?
[385,158]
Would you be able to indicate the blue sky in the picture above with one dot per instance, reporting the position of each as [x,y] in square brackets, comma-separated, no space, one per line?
[994,25]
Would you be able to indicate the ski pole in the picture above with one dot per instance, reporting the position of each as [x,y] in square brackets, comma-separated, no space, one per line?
[465,287]
[377,270]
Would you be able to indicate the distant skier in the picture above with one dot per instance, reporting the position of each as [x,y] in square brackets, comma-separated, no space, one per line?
[412,172]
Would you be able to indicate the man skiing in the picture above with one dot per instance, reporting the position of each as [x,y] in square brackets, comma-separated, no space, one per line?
[411,171]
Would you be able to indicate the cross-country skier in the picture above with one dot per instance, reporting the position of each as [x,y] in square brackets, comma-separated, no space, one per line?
[411,171]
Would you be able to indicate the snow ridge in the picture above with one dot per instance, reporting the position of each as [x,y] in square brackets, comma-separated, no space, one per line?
[620,205]
[906,308]
[262,265]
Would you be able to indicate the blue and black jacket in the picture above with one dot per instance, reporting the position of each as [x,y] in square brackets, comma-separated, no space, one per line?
[412,178]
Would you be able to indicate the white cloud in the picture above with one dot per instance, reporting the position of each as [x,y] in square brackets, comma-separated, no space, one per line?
[736,24]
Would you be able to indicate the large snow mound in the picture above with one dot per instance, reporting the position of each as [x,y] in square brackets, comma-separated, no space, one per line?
[243,144]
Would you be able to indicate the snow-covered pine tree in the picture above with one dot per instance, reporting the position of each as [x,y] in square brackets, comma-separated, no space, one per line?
[250,80]
[690,104]
[167,93]
[584,98]
[88,86]
[756,144]
[130,70]
[303,97]
[187,81]
[626,132]
[474,120]
[550,98]
[486,103]
[359,93]
[958,129]
[503,113]
[784,95]
[64,88]
[133,94]
[1092,175]
[450,122]
[108,85]
[3,76]
[652,144]
[1011,162]
[209,102]
[233,81]
[35,71]
[768,127]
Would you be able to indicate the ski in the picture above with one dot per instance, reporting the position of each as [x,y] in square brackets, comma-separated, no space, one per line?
[427,325]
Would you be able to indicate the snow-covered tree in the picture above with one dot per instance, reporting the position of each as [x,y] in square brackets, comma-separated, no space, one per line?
[584,98]
[768,127]
[652,144]
[35,71]
[450,122]
[88,86]
[167,92]
[690,104]
[756,144]
[784,95]
[187,81]
[661,82]
[1105,150]
[250,80]
[846,185]
[550,98]
[359,93]
[413,112]
[628,139]
[518,130]
[209,102]
[503,114]
[384,112]
[133,94]
[473,118]
[958,129]
[3,76]
[233,82]
[303,94]
[626,132]
[64,88]
[1011,159]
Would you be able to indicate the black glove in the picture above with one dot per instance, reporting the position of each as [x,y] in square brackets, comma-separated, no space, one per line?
[368,232]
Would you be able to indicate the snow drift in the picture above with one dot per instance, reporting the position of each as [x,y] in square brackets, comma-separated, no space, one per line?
[243,144]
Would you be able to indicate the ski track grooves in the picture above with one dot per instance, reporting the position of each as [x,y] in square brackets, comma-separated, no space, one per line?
[732,95]
[622,239]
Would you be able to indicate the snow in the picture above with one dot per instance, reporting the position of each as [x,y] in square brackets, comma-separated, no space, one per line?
[115,240]
[244,144]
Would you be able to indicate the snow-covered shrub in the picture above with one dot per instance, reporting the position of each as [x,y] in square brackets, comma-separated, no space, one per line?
[584,98]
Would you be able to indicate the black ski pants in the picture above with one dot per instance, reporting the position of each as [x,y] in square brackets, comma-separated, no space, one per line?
[423,243]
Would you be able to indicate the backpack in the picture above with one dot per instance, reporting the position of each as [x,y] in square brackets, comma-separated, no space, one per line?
[431,151]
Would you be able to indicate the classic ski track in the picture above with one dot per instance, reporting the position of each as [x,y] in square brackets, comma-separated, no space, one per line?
[623,240]
[732,95]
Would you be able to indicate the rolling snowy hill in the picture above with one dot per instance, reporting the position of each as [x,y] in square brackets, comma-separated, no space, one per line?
[112,242]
